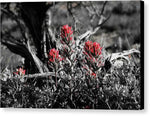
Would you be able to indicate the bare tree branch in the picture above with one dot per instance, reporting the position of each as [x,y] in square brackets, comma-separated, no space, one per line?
[123,54]
[88,33]
[44,44]
[39,75]
[102,11]
[69,7]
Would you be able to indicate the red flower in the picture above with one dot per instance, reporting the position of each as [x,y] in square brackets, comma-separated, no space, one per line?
[20,71]
[66,32]
[87,107]
[53,55]
[97,48]
[92,48]
[93,74]
[88,46]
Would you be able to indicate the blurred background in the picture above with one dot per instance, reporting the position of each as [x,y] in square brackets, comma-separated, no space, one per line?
[120,32]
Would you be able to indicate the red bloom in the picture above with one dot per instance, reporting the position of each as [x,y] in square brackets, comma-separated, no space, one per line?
[20,71]
[97,48]
[87,107]
[66,32]
[53,55]
[92,48]
[93,74]
[88,46]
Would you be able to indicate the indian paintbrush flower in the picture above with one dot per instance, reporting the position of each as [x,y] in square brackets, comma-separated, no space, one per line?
[66,33]
[92,49]
[20,71]
[53,55]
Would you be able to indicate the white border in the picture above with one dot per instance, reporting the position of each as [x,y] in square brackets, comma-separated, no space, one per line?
[67,112]
[58,0]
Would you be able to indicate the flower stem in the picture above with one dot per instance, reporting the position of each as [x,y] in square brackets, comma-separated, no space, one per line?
[56,77]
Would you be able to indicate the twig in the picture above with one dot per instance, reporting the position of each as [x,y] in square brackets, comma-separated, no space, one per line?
[37,75]
[94,9]
[103,8]
[115,56]
[44,44]
[88,33]
[69,7]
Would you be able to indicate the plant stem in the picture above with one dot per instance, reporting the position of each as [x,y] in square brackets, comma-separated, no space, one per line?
[56,77]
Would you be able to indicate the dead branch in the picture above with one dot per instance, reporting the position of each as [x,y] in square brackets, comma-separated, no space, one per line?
[115,56]
[49,40]
[29,76]
[40,75]
[36,60]
[88,33]
[44,45]
[102,11]
[69,7]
